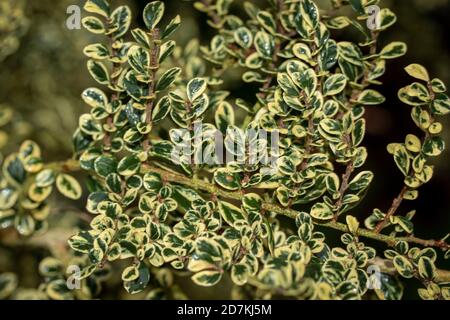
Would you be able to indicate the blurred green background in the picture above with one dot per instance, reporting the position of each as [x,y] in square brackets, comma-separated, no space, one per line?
[42,74]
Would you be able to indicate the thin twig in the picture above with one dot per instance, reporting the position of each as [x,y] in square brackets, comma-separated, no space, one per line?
[392,210]
[344,186]
[154,66]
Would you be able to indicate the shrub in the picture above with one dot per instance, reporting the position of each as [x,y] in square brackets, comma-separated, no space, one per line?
[162,203]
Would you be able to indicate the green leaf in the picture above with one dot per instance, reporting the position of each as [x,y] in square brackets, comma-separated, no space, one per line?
[153,13]
[161,109]
[8,198]
[251,202]
[413,143]
[224,116]
[51,267]
[429,253]
[96,51]
[200,106]
[438,86]
[352,224]
[310,14]
[195,88]
[433,147]
[94,199]
[93,25]
[100,7]
[403,266]
[334,85]
[350,52]
[370,97]
[8,284]
[441,105]
[264,44]
[95,98]
[38,194]
[387,19]
[350,198]
[226,179]
[390,287]
[411,195]
[286,83]
[68,186]
[121,20]
[306,80]
[328,55]
[283,196]
[415,94]
[302,51]
[168,78]
[394,50]
[239,274]
[135,89]
[141,37]
[6,217]
[286,166]
[403,222]
[114,183]
[402,160]
[338,22]
[171,27]
[207,253]
[330,126]
[207,278]
[321,211]
[130,273]
[230,213]
[166,50]
[141,282]
[105,165]
[243,37]
[417,71]
[98,71]
[267,21]
[139,59]
[129,165]
[333,183]
[58,290]
[359,132]
[361,181]
[252,76]
[45,178]
[14,170]
[24,224]
[152,182]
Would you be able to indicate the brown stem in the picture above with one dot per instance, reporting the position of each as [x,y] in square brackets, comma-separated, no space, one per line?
[392,210]
[154,66]
[344,186]
[114,97]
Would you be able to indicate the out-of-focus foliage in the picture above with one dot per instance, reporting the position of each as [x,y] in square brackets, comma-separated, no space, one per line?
[13,25]
[156,213]
[49,55]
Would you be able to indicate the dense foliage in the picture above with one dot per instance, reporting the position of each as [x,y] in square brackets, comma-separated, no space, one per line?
[161,202]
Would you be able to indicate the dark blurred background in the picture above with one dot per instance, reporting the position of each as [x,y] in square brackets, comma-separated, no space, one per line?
[41,82]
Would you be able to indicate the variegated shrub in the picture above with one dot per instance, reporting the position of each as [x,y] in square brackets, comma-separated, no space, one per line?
[154,216]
